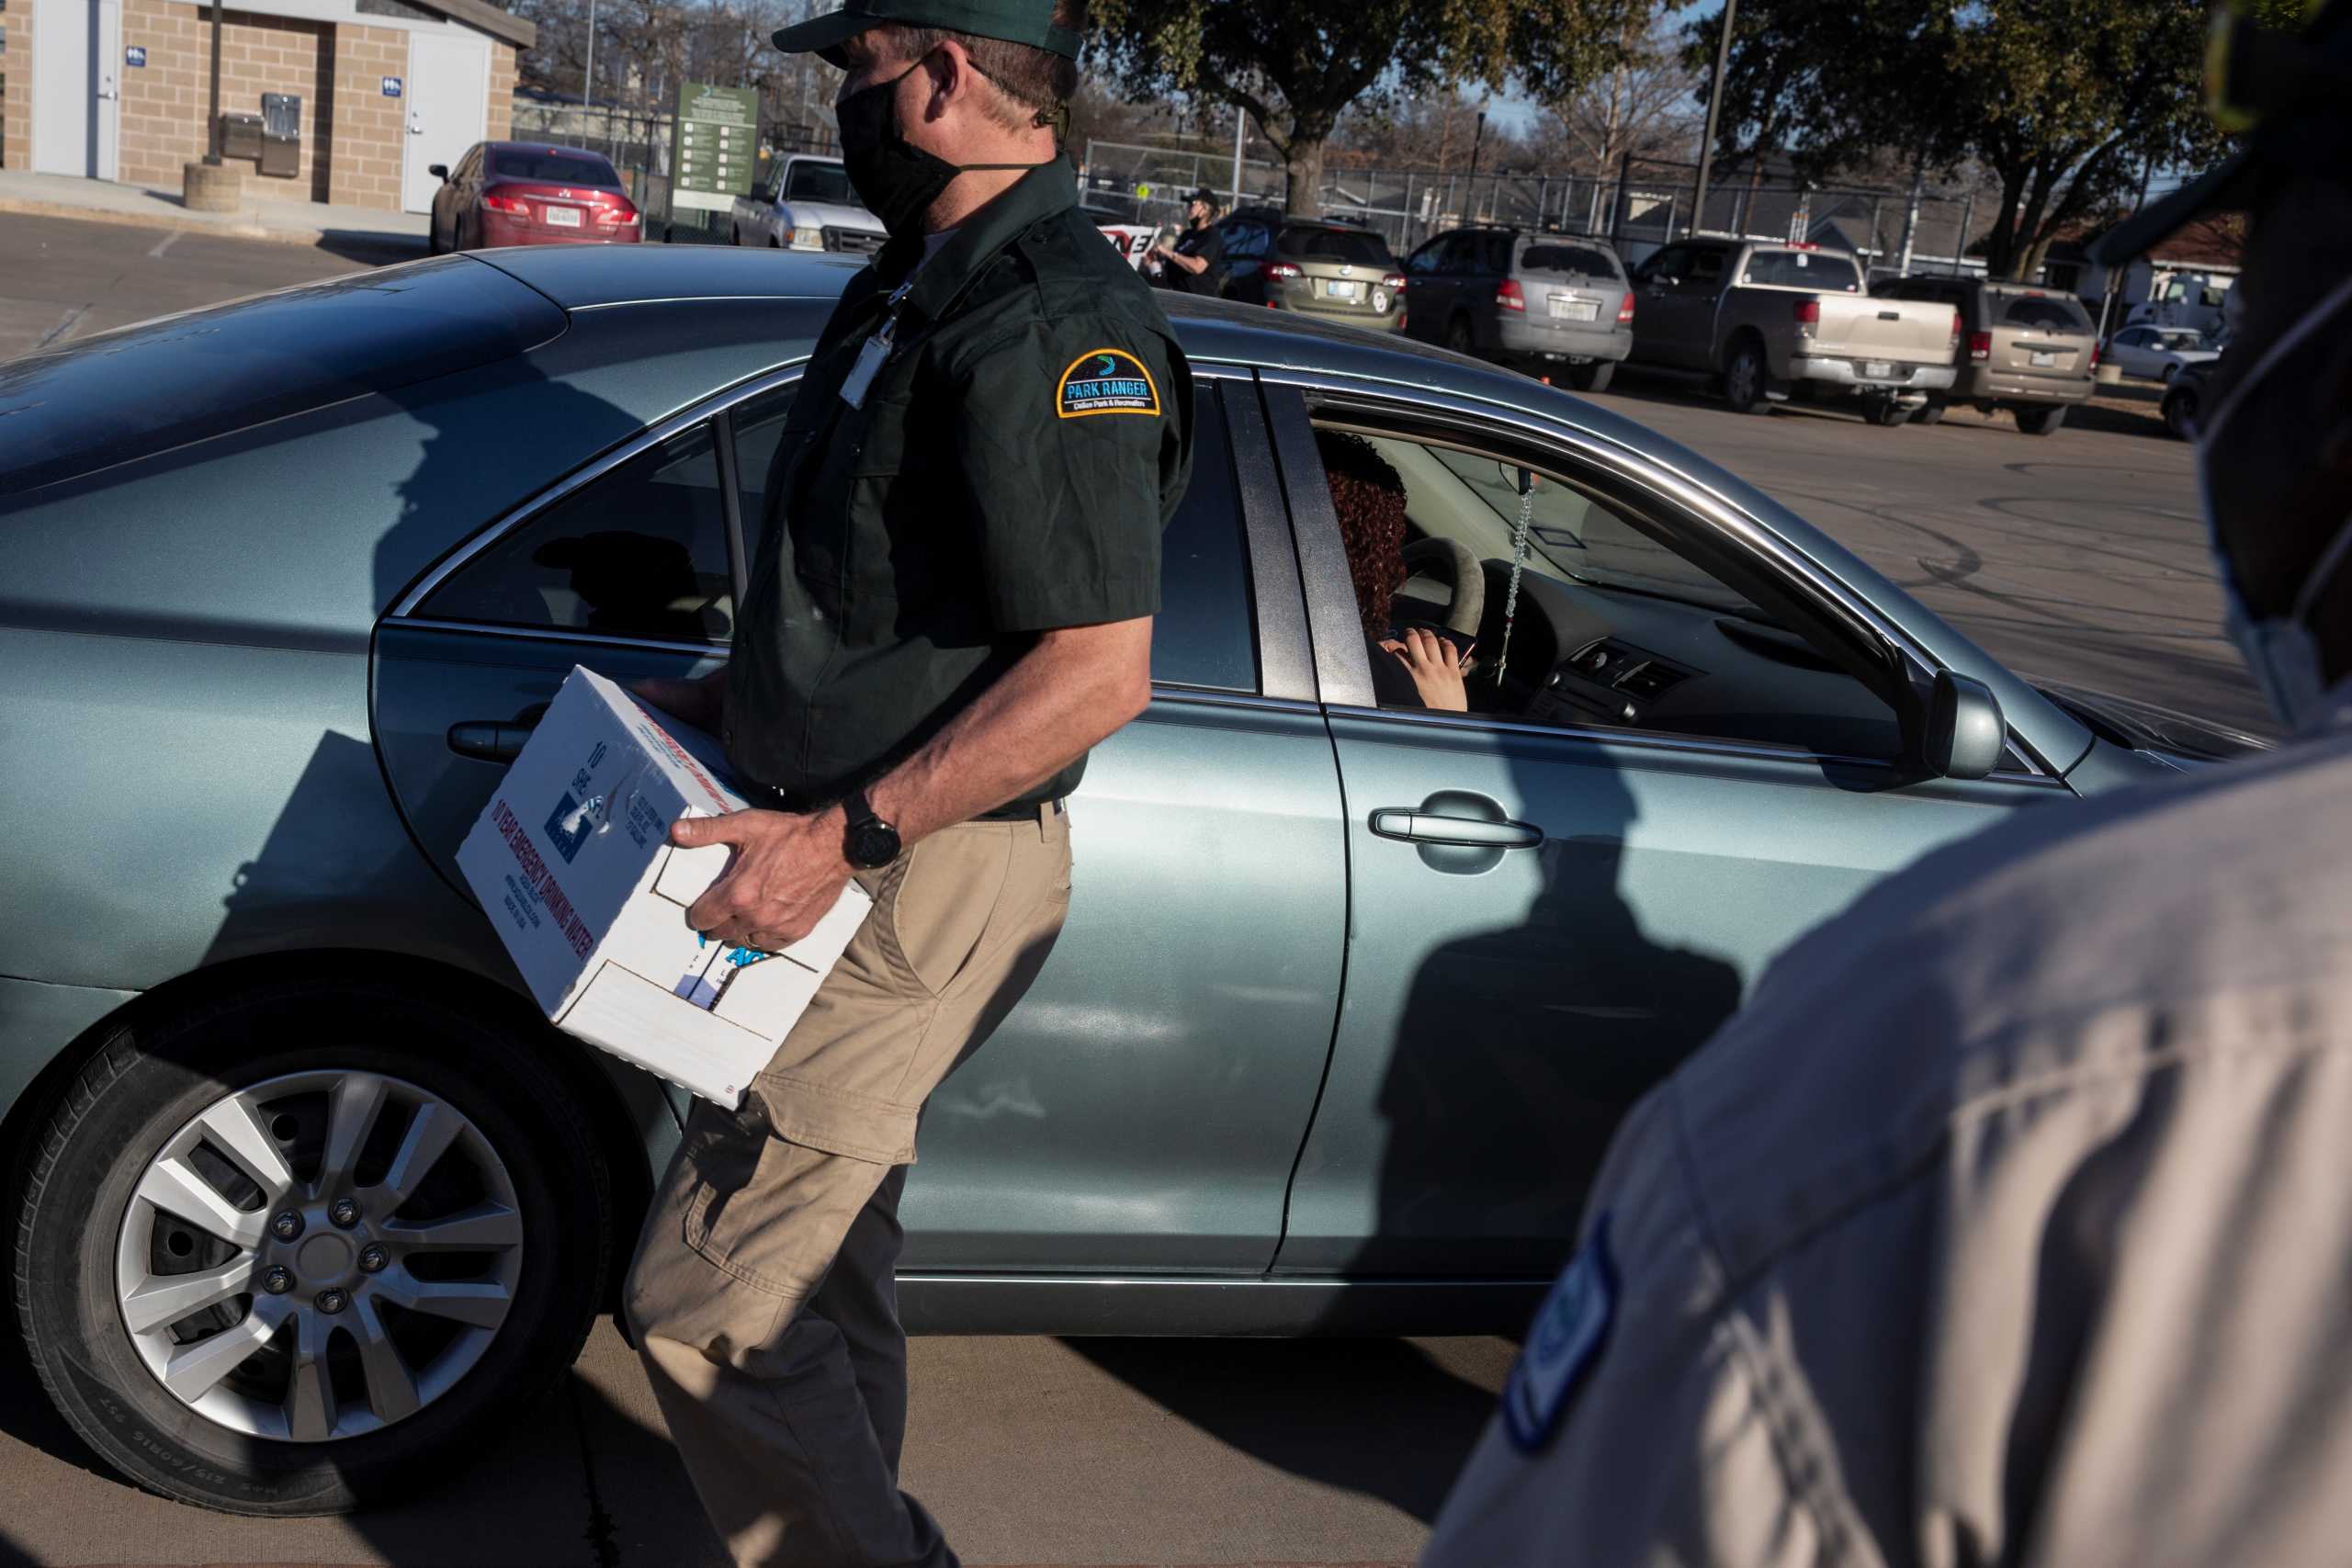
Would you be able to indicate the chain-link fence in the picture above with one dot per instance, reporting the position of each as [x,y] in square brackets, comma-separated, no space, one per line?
[1643,204]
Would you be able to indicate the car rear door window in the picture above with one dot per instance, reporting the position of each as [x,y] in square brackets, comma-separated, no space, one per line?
[637,553]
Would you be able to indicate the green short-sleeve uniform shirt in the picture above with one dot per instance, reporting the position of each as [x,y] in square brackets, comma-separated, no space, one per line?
[1006,470]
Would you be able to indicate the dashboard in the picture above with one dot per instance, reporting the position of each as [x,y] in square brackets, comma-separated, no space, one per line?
[1586,655]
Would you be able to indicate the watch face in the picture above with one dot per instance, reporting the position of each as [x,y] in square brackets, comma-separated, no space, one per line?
[873,845]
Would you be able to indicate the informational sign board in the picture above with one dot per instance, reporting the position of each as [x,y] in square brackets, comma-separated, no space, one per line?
[135,55]
[714,147]
[391,86]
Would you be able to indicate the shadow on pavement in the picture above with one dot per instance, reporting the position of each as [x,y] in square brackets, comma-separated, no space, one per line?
[1378,1417]
[369,248]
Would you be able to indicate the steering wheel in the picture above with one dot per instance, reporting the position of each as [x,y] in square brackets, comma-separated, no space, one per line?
[1457,567]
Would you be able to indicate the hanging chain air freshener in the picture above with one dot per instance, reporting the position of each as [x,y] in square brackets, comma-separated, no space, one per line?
[1517,566]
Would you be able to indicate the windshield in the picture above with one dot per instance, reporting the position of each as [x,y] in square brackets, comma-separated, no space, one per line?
[1568,258]
[818,182]
[1351,246]
[1569,534]
[1801,269]
[553,166]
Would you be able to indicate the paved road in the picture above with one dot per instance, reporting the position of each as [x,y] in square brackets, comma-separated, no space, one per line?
[1282,1455]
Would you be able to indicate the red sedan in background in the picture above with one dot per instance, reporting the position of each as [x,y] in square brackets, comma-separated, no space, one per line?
[527,193]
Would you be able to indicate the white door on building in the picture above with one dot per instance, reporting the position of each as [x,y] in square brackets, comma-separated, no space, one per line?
[77,104]
[447,97]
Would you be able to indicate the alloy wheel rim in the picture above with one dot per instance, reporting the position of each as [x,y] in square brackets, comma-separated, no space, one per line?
[319,1255]
[1743,377]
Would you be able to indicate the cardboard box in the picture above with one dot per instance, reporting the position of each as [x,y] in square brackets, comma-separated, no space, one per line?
[572,863]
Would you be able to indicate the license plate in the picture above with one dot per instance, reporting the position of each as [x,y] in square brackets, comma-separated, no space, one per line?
[563,217]
[1878,369]
[1567,309]
[1334,289]
[2042,358]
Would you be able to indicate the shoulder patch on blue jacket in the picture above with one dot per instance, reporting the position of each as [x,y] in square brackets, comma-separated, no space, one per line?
[1562,1343]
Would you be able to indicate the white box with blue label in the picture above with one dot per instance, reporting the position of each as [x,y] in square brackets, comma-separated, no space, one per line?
[572,863]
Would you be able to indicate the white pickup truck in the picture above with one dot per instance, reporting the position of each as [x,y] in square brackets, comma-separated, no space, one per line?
[1767,319]
[806,205]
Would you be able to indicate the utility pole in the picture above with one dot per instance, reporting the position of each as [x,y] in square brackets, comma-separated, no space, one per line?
[1240,139]
[588,72]
[1475,142]
[212,119]
[1911,215]
[2115,277]
[1714,107]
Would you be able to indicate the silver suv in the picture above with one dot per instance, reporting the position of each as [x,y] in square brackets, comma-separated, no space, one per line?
[2032,351]
[1541,301]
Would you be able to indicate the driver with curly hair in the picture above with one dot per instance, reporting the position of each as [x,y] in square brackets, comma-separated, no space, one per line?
[1416,667]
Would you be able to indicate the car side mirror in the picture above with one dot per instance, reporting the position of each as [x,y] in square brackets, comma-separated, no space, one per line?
[438,171]
[1964,734]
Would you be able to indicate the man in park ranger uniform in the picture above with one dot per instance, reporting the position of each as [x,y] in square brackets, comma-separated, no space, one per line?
[952,602]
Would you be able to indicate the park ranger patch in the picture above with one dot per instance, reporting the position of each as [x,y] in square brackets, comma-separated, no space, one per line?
[1106,380]
[1562,1343]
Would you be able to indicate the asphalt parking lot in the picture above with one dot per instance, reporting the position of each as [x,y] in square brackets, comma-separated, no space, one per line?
[2077,557]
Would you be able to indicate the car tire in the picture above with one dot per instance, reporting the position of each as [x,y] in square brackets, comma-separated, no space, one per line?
[2180,413]
[1933,414]
[2041,421]
[1458,337]
[2165,375]
[1592,378]
[151,1114]
[1885,413]
[1746,378]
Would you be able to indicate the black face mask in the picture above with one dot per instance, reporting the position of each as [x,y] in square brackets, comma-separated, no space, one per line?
[896,179]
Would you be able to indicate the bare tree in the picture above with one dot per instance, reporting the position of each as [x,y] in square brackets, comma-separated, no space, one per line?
[1644,105]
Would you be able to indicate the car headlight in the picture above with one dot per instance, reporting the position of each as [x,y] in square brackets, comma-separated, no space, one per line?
[807,239]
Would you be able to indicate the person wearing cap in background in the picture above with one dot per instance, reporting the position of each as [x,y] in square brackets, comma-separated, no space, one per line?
[951,603]
[2012,1220]
[1194,263]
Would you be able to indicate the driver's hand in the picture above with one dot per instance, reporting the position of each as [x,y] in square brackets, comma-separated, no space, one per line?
[1435,665]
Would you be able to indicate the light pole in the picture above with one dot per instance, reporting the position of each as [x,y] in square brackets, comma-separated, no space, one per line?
[1714,107]
[1240,137]
[212,135]
[588,72]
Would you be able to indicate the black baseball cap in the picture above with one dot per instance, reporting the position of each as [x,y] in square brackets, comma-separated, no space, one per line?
[1204,196]
[1015,21]
[2285,91]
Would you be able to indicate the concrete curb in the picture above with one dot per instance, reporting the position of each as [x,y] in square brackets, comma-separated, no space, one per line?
[186,224]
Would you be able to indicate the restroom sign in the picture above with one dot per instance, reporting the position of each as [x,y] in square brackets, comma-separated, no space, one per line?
[135,55]
[391,86]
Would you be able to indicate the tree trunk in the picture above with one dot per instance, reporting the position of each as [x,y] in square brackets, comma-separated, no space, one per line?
[1303,167]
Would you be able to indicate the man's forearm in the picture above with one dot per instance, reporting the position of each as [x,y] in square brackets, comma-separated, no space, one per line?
[1073,689]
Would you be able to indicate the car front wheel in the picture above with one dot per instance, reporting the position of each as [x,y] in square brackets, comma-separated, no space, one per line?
[2180,413]
[282,1252]
[1744,379]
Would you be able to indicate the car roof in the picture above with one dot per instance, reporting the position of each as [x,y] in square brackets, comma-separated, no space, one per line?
[581,277]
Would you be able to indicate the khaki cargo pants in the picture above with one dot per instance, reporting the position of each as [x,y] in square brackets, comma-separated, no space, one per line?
[763,1297]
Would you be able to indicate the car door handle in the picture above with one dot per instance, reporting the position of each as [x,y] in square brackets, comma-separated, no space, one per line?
[1427,827]
[495,739]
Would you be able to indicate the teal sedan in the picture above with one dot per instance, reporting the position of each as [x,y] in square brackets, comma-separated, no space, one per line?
[1349,1000]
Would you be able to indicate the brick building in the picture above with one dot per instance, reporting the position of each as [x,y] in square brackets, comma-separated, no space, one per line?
[116,89]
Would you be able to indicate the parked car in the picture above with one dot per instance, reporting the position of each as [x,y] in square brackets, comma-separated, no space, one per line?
[2031,351]
[2185,399]
[2156,353]
[308,1194]
[528,193]
[1316,266]
[806,205]
[1761,320]
[1540,302]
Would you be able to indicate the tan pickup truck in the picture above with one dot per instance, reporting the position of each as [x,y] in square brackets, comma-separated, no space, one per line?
[1767,319]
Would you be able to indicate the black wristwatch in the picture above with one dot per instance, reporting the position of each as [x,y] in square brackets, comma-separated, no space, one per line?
[870,843]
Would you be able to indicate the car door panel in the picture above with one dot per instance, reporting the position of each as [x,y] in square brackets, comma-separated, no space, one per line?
[1544,921]
[1142,1108]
